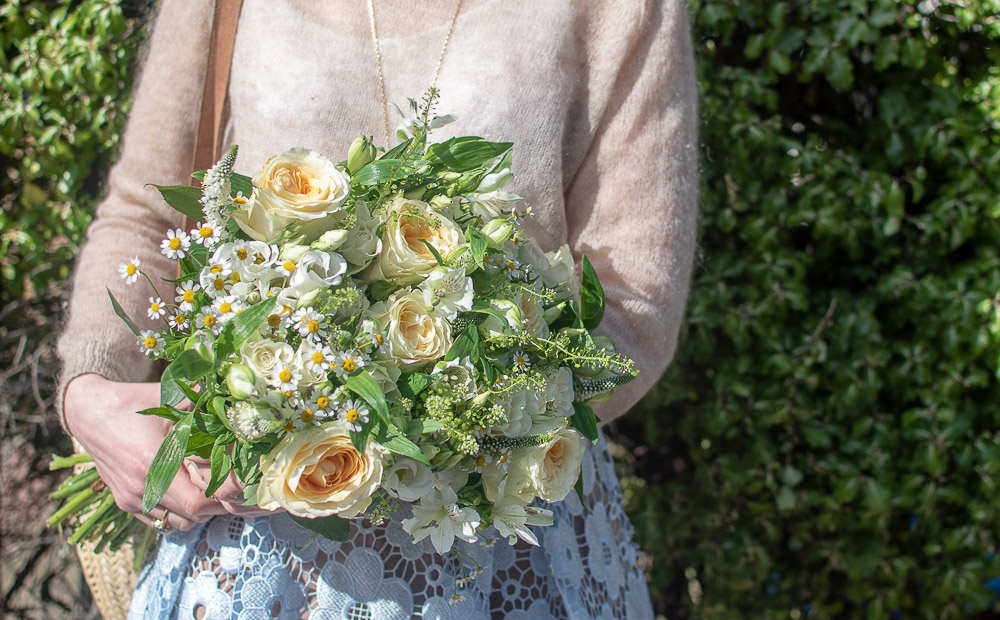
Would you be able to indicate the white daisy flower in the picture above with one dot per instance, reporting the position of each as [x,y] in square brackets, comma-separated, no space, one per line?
[318,358]
[185,295]
[205,233]
[208,318]
[176,245]
[324,402]
[156,308]
[306,417]
[355,413]
[521,361]
[227,307]
[371,340]
[216,285]
[347,362]
[178,322]
[514,268]
[151,343]
[129,271]
[285,378]
[286,267]
[309,323]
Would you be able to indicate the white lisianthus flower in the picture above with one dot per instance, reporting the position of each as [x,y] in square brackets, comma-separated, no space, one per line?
[456,478]
[530,253]
[263,355]
[559,395]
[386,374]
[316,270]
[554,467]
[561,271]
[522,407]
[439,516]
[447,292]
[362,243]
[330,240]
[316,472]
[491,205]
[408,479]
[495,180]
[411,225]
[532,314]
[509,478]
[493,326]
[415,336]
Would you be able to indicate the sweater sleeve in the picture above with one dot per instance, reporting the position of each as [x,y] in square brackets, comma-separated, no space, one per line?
[632,206]
[130,222]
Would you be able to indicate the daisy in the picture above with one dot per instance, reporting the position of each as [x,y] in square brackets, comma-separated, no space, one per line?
[514,268]
[354,413]
[323,403]
[306,417]
[176,245]
[205,233]
[286,267]
[185,295]
[227,307]
[318,359]
[371,340]
[208,319]
[156,308]
[309,323]
[521,361]
[347,362]
[151,342]
[285,378]
[129,271]
[178,322]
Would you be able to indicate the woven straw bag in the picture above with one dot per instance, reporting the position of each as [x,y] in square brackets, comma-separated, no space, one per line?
[110,575]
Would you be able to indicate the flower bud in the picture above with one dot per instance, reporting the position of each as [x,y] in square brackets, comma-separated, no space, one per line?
[241,381]
[292,251]
[360,154]
[330,240]
[498,231]
[201,341]
[308,299]
[493,182]
[441,201]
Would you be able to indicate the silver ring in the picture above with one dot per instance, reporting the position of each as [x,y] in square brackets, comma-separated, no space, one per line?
[160,525]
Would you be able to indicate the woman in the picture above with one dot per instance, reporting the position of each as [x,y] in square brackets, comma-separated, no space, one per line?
[599,100]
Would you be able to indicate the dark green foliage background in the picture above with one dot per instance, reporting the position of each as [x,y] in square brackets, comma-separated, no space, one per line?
[825,443]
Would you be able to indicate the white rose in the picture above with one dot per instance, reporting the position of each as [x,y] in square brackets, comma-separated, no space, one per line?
[408,479]
[522,407]
[561,270]
[405,258]
[554,467]
[533,315]
[301,185]
[262,356]
[415,336]
[311,378]
[559,395]
[385,376]
[316,472]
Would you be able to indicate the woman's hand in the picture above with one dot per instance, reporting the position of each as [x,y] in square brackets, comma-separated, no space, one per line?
[228,494]
[101,415]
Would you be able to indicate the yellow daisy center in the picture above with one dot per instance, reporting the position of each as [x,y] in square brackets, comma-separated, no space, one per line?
[209,320]
[149,342]
[240,200]
[313,326]
[180,319]
[131,269]
[216,269]
[175,243]
[273,320]
[235,277]
[323,402]
[352,415]
[288,427]
[349,365]
[242,254]
[220,284]
[318,357]
[480,461]
[503,458]
[379,339]
[155,307]
[307,416]
[205,232]
[289,266]
[285,375]
[188,296]
[225,308]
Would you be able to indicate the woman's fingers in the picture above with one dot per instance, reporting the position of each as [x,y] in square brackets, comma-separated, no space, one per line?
[228,495]
[171,520]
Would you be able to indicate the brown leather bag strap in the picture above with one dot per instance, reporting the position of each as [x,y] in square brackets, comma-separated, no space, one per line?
[213,101]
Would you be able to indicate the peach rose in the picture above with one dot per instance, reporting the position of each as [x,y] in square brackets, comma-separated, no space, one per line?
[405,258]
[415,336]
[316,472]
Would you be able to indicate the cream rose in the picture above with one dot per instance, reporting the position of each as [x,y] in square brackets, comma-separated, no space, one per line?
[415,336]
[263,356]
[301,185]
[404,257]
[316,472]
[554,467]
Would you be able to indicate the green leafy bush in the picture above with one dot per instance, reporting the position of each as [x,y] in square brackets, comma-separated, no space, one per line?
[65,74]
[829,426]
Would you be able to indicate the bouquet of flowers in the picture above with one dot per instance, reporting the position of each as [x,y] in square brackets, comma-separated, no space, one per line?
[355,336]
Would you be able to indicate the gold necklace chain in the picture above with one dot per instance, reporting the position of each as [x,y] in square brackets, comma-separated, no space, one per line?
[378,62]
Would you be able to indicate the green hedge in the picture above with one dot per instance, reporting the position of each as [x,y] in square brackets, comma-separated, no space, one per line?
[828,425]
[830,421]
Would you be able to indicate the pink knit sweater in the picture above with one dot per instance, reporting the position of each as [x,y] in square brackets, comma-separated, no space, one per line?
[598,98]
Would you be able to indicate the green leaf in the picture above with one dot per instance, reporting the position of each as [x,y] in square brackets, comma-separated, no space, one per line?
[412,383]
[397,150]
[392,439]
[478,242]
[241,328]
[591,296]
[184,199]
[382,289]
[423,427]
[434,251]
[466,345]
[221,464]
[189,366]
[364,386]
[465,152]
[122,314]
[166,462]
[164,412]
[387,170]
[332,527]
[249,495]
[585,421]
